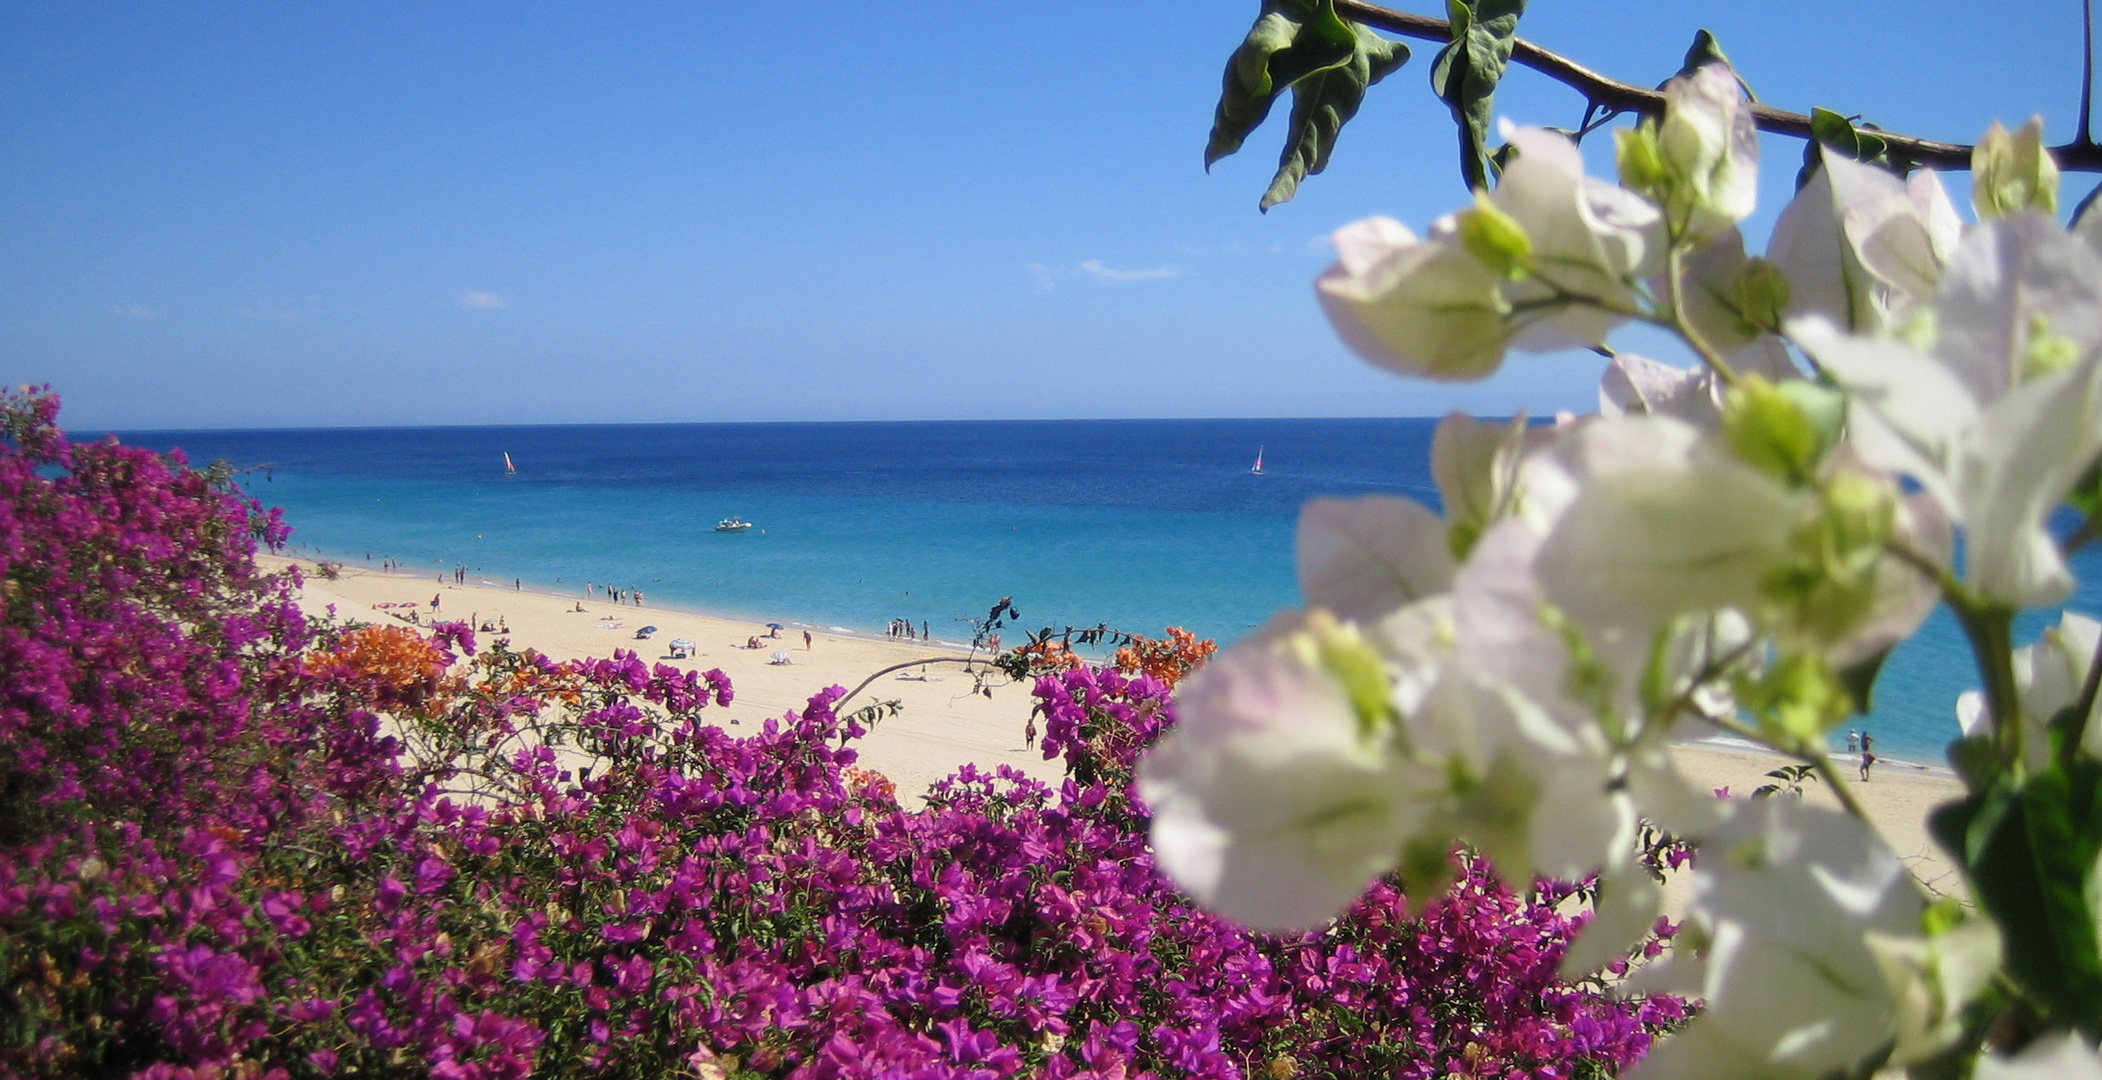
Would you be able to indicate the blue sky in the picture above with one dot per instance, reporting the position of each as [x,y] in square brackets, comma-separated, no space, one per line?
[300,214]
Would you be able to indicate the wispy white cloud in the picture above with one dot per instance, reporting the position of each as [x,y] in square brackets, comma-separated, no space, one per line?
[1110,275]
[1048,278]
[480,301]
[133,311]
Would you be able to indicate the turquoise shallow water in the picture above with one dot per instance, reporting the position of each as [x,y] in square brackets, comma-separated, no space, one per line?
[1139,524]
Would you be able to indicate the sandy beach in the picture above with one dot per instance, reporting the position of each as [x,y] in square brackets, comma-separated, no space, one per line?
[945,723]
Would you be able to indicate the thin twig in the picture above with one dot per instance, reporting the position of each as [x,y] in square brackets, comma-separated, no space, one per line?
[1675,274]
[2087,71]
[850,695]
[2080,155]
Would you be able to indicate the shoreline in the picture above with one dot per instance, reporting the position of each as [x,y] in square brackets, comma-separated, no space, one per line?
[947,721]
[307,557]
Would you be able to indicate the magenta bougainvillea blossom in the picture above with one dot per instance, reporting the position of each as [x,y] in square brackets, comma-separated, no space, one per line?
[234,842]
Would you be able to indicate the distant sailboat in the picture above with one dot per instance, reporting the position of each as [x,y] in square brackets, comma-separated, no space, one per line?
[1258,469]
[512,470]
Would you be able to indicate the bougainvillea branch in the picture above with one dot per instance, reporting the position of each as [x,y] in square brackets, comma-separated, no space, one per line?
[1613,95]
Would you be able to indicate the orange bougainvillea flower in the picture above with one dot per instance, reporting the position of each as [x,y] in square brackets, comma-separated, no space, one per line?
[1046,657]
[395,657]
[1168,660]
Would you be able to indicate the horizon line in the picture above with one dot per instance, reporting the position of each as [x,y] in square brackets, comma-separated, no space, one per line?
[72,431]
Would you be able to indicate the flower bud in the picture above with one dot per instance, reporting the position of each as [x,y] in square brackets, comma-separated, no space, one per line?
[1762,294]
[1710,151]
[1798,700]
[1641,160]
[1497,239]
[1340,651]
[2012,172]
[1782,430]
[2047,353]
[1830,585]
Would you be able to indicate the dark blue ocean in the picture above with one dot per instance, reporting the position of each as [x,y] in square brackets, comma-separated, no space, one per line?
[1141,524]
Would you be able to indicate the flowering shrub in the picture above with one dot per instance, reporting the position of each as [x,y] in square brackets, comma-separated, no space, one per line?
[242,844]
[1885,413]
[1167,660]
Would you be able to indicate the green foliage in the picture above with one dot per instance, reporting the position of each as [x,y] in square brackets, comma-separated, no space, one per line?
[1787,780]
[1467,70]
[1706,50]
[1327,62]
[2029,849]
[1860,142]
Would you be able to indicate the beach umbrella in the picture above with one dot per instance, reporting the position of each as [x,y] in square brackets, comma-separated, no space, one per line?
[775,626]
[649,629]
[780,657]
[681,643]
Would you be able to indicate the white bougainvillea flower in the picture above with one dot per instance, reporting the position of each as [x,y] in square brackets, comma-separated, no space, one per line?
[1904,596]
[2004,412]
[1638,385]
[1590,240]
[2060,1056]
[1503,709]
[1861,247]
[1784,899]
[2049,678]
[1362,558]
[1422,307]
[1475,464]
[1282,791]
[1710,147]
[1503,624]
[1932,979]
[2012,172]
[1658,523]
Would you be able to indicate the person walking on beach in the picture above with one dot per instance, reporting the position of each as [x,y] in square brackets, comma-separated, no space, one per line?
[924,635]
[1867,759]
[806,641]
[435,597]
[1029,735]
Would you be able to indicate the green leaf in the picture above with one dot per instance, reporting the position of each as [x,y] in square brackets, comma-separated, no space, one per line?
[2030,853]
[1290,40]
[1706,50]
[2086,495]
[1828,128]
[1322,103]
[1327,63]
[1467,70]
[1977,761]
